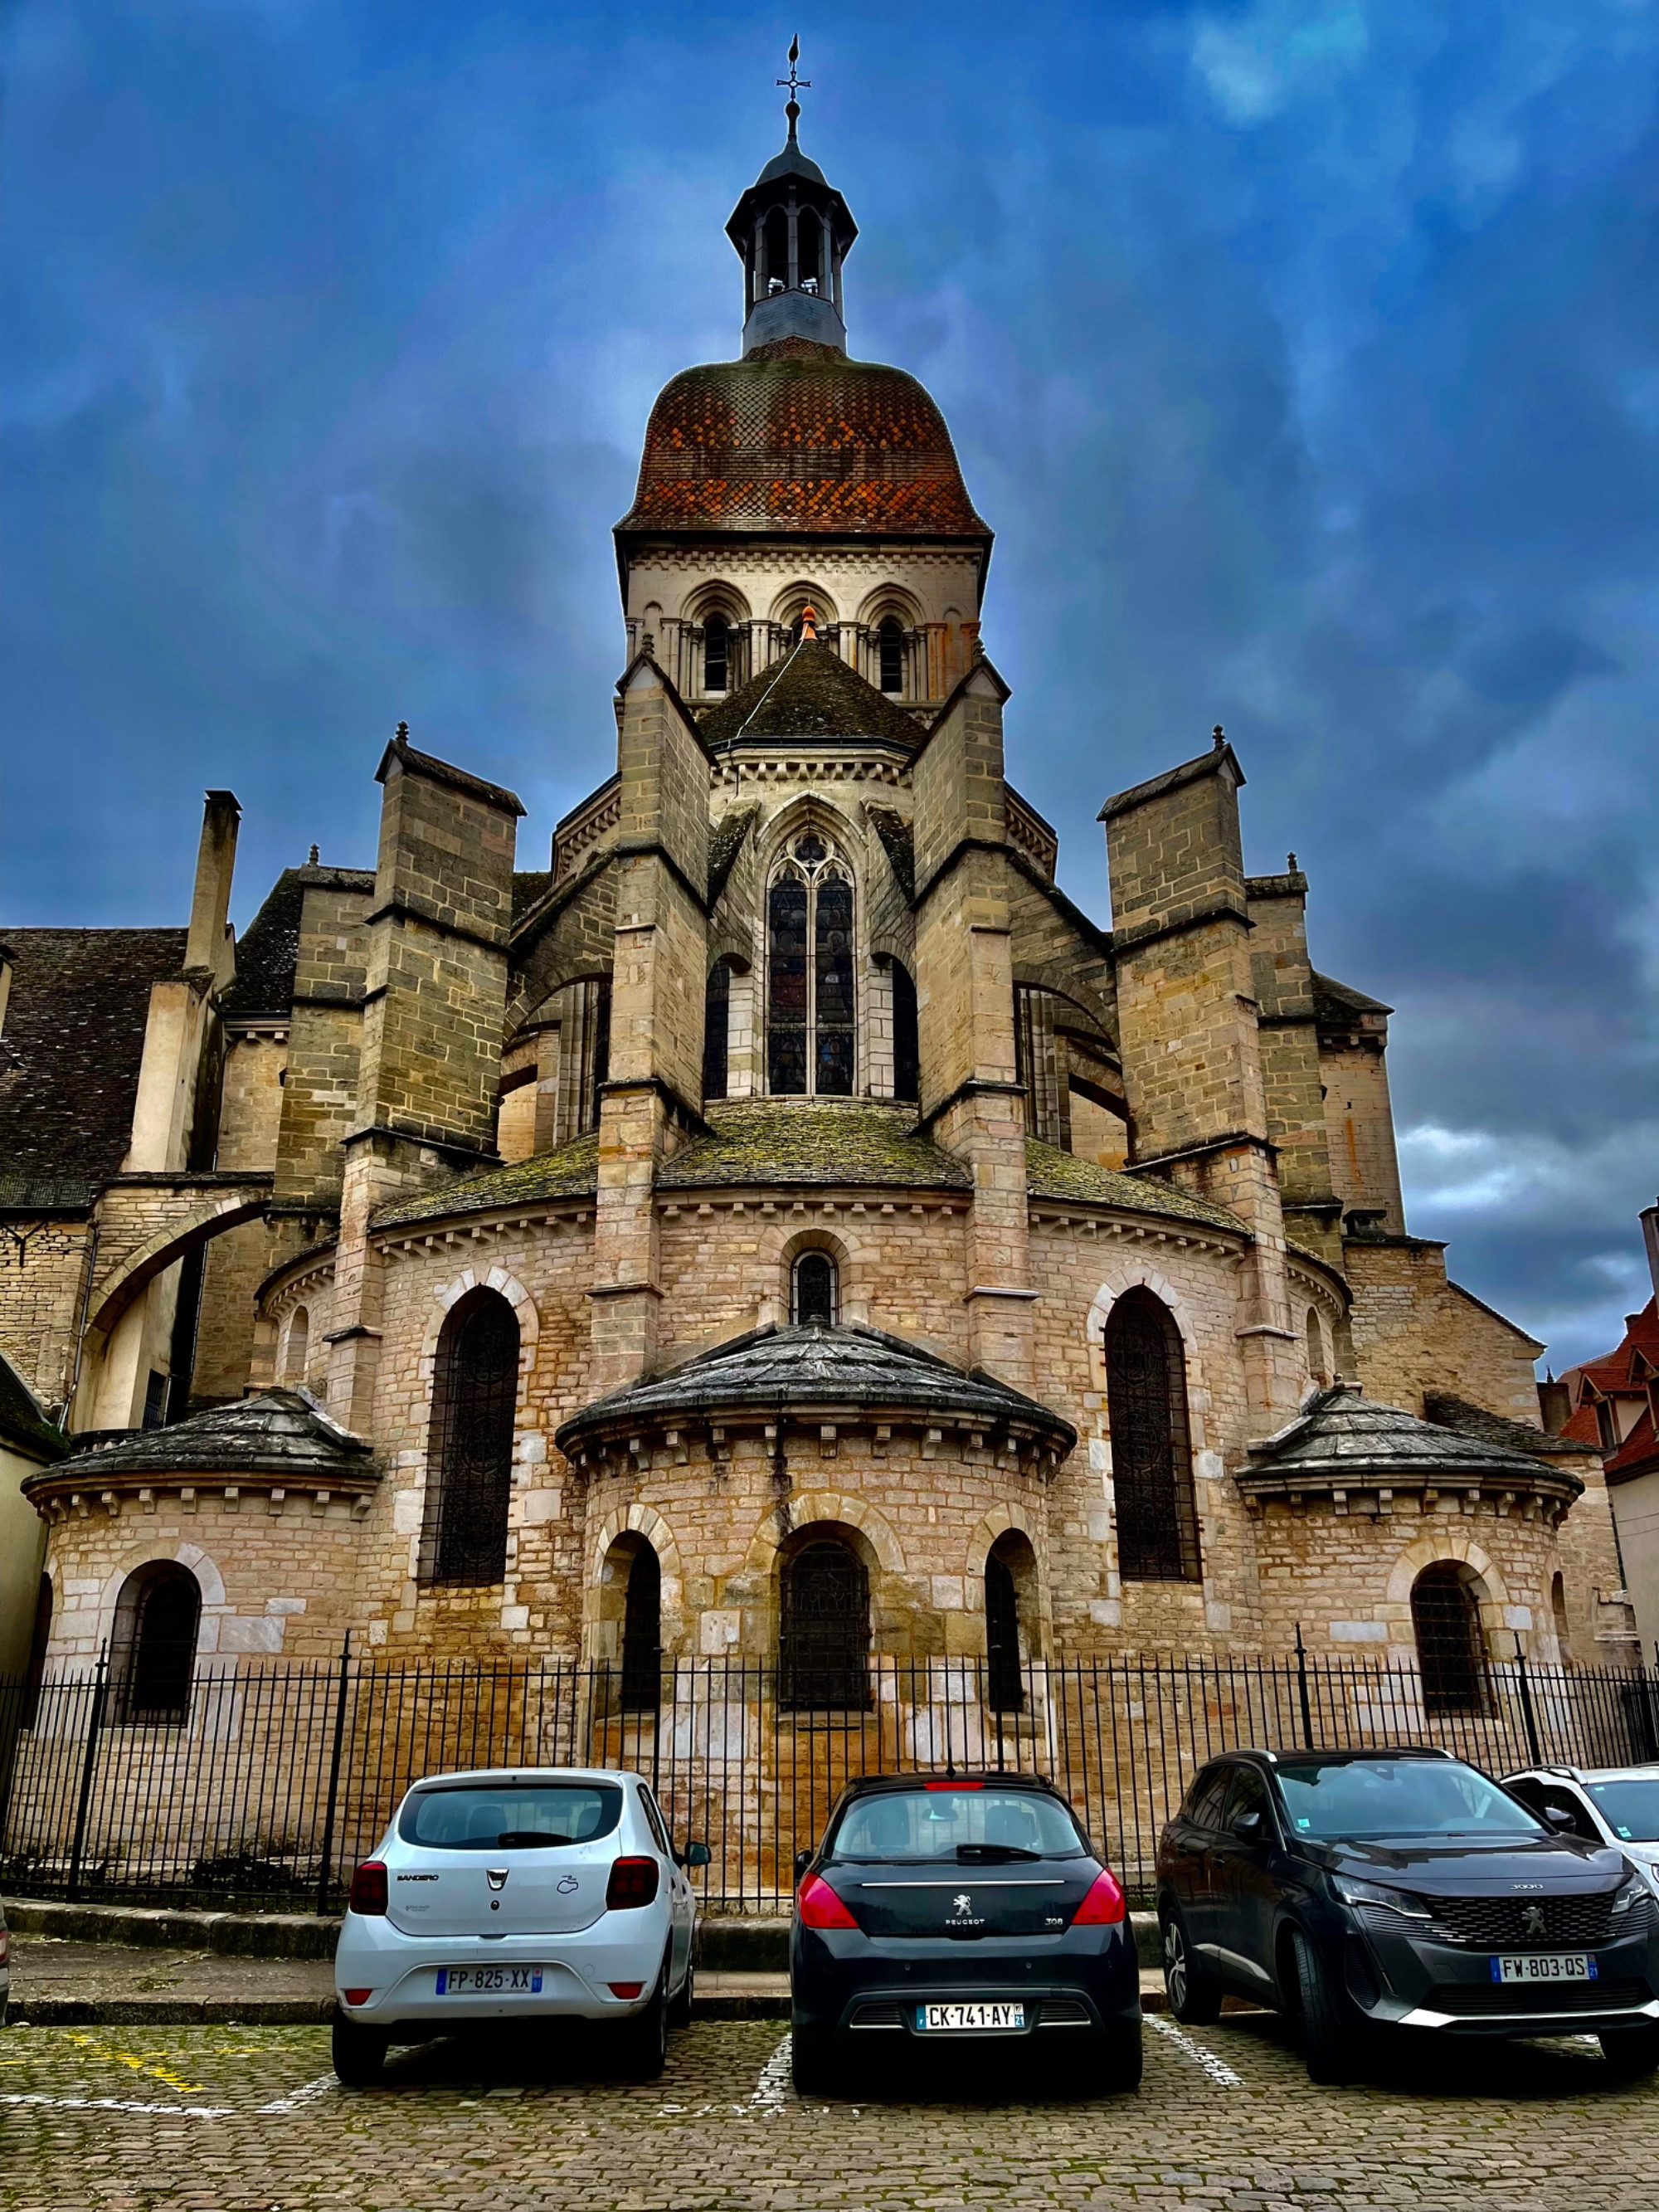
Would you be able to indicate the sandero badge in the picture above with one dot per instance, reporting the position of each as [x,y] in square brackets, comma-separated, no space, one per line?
[970,1909]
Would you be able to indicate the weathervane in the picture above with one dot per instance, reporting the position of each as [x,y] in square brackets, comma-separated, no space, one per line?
[791,106]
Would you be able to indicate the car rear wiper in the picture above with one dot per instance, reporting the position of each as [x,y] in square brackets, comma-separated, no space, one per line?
[992,1854]
[528,1839]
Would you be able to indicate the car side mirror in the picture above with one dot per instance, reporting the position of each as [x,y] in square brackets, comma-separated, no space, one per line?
[1247,1827]
[698,1854]
[1560,1820]
[802,1860]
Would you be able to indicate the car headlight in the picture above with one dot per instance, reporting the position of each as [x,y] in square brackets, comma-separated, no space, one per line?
[1631,1891]
[1402,1901]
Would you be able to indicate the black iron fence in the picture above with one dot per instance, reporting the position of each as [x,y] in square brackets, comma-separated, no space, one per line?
[273,1777]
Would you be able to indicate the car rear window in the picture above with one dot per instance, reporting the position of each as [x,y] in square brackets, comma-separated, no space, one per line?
[1372,1798]
[510,1816]
[940,1823]
[1630,1809]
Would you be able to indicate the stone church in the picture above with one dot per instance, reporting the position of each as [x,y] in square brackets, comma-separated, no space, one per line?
[785,1224]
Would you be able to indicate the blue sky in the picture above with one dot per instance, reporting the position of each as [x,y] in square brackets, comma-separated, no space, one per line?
[1304,355]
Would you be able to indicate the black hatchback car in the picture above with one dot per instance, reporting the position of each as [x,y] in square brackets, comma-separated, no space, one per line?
[1374,1890]
[971,1910]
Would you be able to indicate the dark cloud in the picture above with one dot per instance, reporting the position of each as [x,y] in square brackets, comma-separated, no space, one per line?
[1304,353]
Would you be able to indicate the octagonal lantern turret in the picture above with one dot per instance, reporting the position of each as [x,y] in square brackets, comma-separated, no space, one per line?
[792,230]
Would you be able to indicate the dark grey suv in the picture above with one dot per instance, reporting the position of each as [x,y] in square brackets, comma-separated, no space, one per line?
[1371,1891]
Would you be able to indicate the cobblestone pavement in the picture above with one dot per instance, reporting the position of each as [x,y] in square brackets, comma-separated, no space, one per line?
[204,2119]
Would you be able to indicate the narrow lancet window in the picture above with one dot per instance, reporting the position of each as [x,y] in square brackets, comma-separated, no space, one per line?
[811,1011]
[1151,1462]
[890,654]
[470,1480]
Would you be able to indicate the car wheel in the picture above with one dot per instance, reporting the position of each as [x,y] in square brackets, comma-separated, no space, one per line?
[1631,2051]
[679,2005]
[644,2038]
[1333,2044]
[359,2053]
[1193,1986]
[812,2065]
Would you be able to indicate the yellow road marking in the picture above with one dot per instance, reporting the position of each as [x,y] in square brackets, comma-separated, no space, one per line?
[100,2050]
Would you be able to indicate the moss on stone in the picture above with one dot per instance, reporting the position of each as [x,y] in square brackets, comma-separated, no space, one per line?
[569,1172]
[1051,1173]
[783,1140]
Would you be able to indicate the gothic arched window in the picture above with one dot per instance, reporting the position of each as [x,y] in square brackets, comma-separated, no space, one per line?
[716,654]
[1451,1647]
[475,1395]
[890,654]
[1151,1460]
[814,1290]
[1010,1573]
[642,1651]
[717,1030]
[810,1033]
[907,1043]
[156,1617]
[824,1628]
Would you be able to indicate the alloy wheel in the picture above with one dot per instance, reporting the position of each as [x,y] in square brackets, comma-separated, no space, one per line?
[1175,1965]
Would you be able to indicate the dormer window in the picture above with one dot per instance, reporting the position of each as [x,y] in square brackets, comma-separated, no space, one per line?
[810,1011]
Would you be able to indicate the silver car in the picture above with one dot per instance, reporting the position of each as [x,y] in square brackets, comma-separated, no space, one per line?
[521,1894]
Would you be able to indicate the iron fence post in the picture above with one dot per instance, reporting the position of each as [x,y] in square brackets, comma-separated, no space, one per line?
[324,1870]
[1302,1689]
[1527,1713]
[83,1803]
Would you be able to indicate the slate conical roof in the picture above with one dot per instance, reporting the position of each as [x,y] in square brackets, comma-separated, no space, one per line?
[812,693]
[1342,1439]
[280,1433]
[821,1374]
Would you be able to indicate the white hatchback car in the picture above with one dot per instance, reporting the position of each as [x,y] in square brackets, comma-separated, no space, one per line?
[517,1894]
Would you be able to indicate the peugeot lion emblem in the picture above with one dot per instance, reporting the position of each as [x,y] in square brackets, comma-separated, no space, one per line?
[961,1905]
[496,1877]
[1531,1919]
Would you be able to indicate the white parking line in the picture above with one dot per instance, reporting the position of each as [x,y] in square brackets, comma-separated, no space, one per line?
[774,2089]
[1218,2071]
[120,2105]
[295,2098]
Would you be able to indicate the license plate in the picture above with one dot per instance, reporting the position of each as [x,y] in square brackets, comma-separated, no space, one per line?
[1545,1967]
[957,2019]
[489,1981]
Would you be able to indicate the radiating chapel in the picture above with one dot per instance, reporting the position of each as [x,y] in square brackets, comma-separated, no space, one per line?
[785,1224]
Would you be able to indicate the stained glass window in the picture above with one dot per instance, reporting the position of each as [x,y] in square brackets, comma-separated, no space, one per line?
[811,1012]
[716,1029]
[474,1399]
[1151,1462]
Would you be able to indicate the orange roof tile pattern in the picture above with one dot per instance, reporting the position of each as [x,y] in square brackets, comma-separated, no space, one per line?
[796,437]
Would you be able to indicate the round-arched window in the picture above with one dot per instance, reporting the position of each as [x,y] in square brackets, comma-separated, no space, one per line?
[157,1615]
[824,1628]
[469,1483]
[810,1031]
[1151,1459]
[1451,1648]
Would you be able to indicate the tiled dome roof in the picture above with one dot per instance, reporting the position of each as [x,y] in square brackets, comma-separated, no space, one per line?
[798,437]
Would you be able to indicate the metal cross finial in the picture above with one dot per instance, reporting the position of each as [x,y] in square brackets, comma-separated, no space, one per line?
[791,106]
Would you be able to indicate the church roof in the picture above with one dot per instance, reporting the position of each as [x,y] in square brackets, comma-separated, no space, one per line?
[823,1373]
[1342,1439]
[796,437]
[68,1057]
[268,955]
[277,1432]
[22,1424]
[1051,1173]
[812,693]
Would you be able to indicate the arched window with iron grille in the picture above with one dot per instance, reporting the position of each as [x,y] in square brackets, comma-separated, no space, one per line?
[814,1290]
[1151,1456]
[641,1651]
[153,1650]
[810,1038]
[824,1628]
[1451,1648]
[475,1397]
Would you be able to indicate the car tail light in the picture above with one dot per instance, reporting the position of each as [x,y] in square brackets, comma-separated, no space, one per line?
[357,1996]
[5,1947]
[368,1888]
[953,1785]
[625,1989]
[633,1882]
[820,1907]
[1103,1906]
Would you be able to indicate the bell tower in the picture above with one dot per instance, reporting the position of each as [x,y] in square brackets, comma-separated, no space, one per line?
[791,231]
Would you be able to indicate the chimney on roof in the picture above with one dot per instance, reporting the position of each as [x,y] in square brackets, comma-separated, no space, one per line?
[1650,1219]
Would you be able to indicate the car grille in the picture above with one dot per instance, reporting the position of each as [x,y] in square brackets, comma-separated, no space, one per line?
[1512,1924]
[878,2015]
[1063,2012]
[1469,2001]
